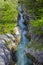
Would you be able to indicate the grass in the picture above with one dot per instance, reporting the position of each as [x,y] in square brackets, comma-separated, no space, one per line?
[7,28]
[8,15]
[37,26]
[35,45]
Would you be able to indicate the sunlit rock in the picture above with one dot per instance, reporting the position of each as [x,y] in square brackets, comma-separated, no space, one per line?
[17,33]
[10,36]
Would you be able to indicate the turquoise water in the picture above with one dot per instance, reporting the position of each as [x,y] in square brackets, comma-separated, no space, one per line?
[21,53]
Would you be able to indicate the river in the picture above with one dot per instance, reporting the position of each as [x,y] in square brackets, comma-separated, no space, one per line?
[21,53]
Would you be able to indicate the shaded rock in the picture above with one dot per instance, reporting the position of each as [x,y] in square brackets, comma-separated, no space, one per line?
[28,35]
[4,55]
[13,54]
[25,23]
[37,56]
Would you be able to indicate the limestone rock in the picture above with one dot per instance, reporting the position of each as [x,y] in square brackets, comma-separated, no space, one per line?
[4,55]
[17,33]
[37,56]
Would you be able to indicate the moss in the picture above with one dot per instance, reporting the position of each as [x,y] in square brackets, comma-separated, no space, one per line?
[31,57]
[35,46]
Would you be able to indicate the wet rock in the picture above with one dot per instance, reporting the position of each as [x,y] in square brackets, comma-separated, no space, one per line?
[37,57]
[25,23]
[28,35]
[26,20]
[13,54]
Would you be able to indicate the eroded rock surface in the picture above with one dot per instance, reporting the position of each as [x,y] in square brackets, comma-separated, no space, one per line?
[7,41]
[4,54]
[36,55]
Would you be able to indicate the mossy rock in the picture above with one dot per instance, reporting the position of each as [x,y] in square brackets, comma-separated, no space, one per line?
[13,54]
[31,57]
[28,35]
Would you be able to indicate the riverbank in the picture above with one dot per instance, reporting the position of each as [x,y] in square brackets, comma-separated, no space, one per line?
[9,41]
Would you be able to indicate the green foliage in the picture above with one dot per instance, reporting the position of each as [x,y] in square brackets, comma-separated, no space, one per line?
[35,46]
[8,11]
[7,28]
[37,26]
[8,14]
[35,7]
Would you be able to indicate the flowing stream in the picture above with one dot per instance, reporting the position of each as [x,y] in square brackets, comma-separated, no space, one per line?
[21,53]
